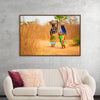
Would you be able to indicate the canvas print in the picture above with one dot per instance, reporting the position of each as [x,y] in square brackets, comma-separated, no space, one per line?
[46,35]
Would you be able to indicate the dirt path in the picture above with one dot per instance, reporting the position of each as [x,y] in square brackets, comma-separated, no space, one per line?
[46,49]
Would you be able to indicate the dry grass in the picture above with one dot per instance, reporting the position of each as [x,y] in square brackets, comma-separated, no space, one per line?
[73,30]
[31,34]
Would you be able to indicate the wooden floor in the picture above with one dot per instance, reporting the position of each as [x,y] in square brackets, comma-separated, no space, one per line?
[3,98]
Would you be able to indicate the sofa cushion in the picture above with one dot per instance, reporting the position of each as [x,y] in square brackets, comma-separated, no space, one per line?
[70,92]
[50,91]
[22,91]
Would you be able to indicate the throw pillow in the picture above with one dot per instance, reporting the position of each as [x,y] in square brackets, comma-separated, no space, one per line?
[16,79]
[32,78]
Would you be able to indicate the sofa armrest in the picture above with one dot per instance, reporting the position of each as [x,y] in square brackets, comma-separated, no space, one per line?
[88,80]
[8,87]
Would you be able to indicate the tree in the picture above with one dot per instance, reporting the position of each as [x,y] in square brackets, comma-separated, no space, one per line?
[75,20]
[69,20]
[36,21]
[72,20]
[61,18]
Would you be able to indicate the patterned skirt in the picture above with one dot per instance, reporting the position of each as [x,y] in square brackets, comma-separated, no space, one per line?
[62,39]
[53,39]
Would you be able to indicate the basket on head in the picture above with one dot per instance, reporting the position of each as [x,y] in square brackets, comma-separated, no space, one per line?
[62,22]
[53,22]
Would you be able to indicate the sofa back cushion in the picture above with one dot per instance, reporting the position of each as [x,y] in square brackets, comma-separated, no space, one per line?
[53,78]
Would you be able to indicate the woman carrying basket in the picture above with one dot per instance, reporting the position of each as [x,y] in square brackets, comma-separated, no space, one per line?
[53,32]
[62,32]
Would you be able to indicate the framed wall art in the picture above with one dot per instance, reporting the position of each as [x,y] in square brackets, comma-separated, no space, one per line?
[50,35]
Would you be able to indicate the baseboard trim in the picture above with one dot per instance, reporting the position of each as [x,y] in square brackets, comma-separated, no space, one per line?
[95,96]
[2,96]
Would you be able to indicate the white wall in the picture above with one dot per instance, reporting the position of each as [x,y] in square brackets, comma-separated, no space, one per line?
[90,35]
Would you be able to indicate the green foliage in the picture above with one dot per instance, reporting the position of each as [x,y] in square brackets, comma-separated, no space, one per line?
[76,41]
[30,22]
[60,18]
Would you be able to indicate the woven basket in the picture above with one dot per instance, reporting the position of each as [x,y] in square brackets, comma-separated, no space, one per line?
[53,22]
[62,22]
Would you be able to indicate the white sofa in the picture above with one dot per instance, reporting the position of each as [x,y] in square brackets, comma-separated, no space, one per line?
[54,89]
